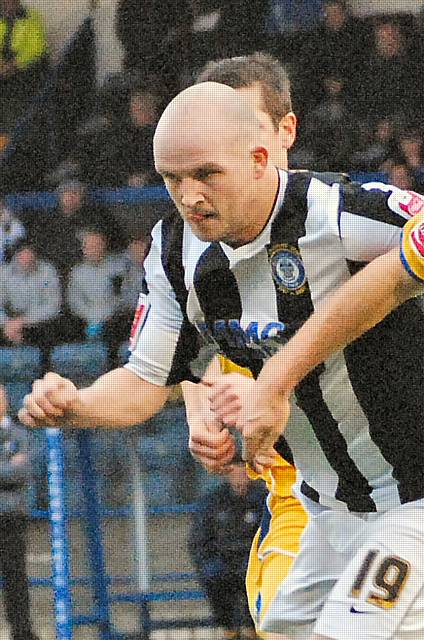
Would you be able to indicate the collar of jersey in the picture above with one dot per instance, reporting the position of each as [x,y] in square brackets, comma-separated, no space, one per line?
[263,239]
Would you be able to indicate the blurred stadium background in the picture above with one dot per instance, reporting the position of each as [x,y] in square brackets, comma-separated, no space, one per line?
[75,122]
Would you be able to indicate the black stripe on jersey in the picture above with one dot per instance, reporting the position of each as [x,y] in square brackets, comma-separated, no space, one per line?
[172,262]
[219,299]
[288,226]
[309,492]
[371,204]
[216,287]
[283,449]
[386,370]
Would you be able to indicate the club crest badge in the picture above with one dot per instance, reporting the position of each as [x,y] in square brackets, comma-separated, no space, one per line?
[287,267]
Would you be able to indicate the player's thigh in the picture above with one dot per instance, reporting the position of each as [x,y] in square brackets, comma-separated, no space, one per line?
[272,554]
[380,595]
[302,595]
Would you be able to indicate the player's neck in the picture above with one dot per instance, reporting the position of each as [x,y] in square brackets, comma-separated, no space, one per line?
[260,209]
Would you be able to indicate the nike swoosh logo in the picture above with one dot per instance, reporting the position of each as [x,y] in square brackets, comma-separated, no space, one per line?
[353,610]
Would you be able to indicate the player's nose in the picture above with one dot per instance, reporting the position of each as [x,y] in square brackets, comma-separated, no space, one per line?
[191,192]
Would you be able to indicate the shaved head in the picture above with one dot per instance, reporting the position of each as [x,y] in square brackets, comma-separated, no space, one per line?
[205,113]
[209,149]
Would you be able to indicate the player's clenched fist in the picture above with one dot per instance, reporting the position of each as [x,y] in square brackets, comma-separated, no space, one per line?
[210,444]
[259,412]
[50,399]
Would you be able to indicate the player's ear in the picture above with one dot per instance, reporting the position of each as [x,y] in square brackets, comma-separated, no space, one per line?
[260,157]
[287,129]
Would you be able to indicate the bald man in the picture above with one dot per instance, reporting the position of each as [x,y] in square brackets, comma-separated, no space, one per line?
[258,263]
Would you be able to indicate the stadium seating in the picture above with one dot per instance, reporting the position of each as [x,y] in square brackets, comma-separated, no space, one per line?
[80,361]
[19,364]
[16,391]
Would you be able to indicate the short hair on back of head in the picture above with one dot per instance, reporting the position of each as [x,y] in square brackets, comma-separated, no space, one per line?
[257,68]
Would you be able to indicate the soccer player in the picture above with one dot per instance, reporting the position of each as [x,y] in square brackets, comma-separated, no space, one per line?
[258,258]
[264,83]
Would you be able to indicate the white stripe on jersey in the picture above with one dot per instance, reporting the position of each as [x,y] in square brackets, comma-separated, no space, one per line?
[325,258]
[366,239]
[325,261]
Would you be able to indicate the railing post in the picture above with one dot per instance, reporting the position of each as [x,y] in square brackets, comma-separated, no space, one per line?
[94,535]
[59,528]
[141,540]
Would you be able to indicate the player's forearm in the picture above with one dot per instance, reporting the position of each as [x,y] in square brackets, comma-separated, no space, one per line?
[118,399]
[196,395]
[356,307]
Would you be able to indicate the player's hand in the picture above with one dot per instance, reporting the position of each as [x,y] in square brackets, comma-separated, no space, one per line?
[259,412]
[50,399]
[210,444]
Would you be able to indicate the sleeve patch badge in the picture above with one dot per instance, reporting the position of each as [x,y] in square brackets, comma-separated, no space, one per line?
[414,206]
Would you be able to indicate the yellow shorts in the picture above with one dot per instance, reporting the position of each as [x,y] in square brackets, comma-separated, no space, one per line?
[274,548]
[277,542]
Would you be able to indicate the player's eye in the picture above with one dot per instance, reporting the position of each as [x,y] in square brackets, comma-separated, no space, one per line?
[204,174]
[170,178]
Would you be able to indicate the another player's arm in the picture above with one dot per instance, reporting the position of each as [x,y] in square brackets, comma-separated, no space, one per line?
[118,399]
[360,304]
[209,443]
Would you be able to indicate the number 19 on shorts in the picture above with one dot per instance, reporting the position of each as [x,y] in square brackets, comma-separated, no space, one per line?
[389,576]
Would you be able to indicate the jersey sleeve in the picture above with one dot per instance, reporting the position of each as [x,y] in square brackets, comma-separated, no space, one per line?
[159,331]
[374,218]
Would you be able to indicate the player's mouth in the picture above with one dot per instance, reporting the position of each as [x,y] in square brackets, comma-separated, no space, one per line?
[197,216]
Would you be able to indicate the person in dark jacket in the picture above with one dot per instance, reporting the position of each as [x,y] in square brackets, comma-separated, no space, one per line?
[155,36]
[14,478]
[219,544]
[57,234]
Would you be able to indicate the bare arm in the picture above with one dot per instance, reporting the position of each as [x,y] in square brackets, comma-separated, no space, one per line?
[118,399]
[356,307]
[209,443]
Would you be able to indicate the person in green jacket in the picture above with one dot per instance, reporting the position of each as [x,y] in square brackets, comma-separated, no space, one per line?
[23,56]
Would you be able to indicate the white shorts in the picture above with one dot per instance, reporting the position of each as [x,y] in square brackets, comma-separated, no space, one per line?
[360,576]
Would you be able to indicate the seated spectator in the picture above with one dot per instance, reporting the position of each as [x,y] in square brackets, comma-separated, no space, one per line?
[401,175]
[93,294]
[155,36]
[11,231]
[120,152]
[219,544]
[23,54]
[128,286]
[29,300]
[386,74]
[410,141]
[241,27]
[331,133]
[332,49]
[15,474]
[57,234]
[378,147]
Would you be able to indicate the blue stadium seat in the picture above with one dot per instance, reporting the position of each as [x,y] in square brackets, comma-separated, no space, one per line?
[16,391]
[86,360]
[19,364]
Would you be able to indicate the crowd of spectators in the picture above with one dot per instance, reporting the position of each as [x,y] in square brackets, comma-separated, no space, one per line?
[73,273]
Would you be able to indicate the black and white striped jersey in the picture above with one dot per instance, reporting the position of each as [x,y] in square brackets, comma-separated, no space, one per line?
[356,431]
